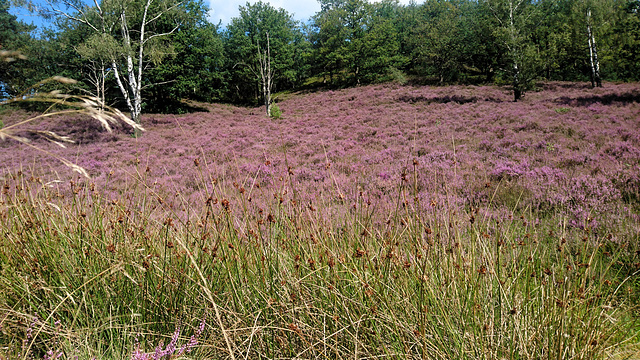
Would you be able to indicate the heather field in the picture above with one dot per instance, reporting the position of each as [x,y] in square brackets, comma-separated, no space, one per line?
[383,221]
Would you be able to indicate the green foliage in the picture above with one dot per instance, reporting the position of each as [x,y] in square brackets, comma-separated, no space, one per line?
[14,36]
[622,58]
[438,40]
[356,42]
[243,38]
[348,42]
[398,76]
[513,29]
[99,46]
[274,111]
[194,70]
[561,40]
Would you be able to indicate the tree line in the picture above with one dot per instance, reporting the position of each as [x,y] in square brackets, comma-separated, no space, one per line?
[149,55]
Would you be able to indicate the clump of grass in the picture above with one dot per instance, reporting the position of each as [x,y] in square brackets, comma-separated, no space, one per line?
[290,281]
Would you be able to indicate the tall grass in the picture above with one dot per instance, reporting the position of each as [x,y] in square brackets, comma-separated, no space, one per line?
[95,277]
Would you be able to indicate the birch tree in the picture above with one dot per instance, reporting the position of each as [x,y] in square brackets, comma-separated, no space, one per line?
[594,18]
[127,38]
[593,52]
[97,52]
[266,74]
[260,51]
[514,19]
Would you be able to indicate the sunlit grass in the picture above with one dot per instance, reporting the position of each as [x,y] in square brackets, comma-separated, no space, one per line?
[82,272]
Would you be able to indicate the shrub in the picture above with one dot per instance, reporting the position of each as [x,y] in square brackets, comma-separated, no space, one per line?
[274,111]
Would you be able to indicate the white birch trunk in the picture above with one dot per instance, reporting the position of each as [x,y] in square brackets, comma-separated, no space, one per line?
[132,91]
[596,81]
[266,75]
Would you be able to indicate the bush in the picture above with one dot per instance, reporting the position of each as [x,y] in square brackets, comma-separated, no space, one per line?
[274,111]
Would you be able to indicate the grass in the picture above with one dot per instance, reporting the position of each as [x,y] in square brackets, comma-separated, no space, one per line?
[259,263]
[86,276]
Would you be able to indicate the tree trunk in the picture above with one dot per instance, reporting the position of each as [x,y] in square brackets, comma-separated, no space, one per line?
[132,91]
[96,75]
[101,90]
[517,80]
[266,75]
[517,85]
[596,81]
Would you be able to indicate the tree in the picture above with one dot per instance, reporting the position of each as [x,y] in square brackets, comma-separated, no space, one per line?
[626,43]
[482,52]
[405,21]
[594,18]
[356,40]
[127,35]
[438,39]
[266,74]
[10,27]
[14,40]
[260,26]
[195,67]
[96,66]
[593,52]
[328,36]
[513,25]
[559,40]
[379,46]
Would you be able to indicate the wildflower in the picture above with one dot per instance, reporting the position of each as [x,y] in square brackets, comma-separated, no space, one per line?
[171,350]
[52,355]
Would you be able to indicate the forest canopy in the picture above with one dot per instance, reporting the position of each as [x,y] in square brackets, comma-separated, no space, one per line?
[150,56]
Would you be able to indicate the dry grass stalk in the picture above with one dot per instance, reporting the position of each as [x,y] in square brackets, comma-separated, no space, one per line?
[70,104]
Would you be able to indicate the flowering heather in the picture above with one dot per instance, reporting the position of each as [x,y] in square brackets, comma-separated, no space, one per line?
[566,147]
[171,350]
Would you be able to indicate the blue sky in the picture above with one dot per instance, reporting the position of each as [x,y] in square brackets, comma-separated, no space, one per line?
[221,10]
